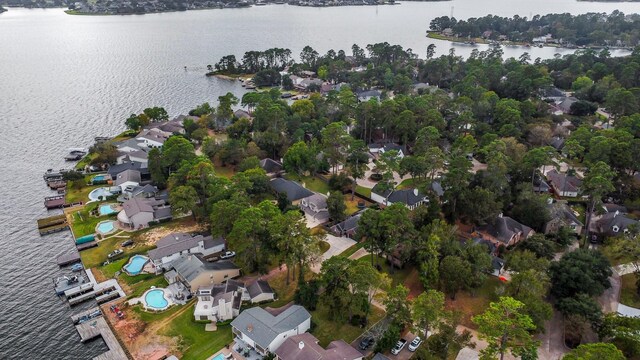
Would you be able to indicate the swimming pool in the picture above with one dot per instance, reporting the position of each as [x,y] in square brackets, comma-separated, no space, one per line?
[135,264]
[218,357]
[100,178]
[106,209]
[155,299]
[99,193]
[106,227]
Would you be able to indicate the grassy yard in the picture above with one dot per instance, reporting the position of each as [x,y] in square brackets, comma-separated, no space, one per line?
[284,292]
[352,206]
[324,246]
[310,182]
[150,317]
[363,191]
[94,257]
[82,223]
[86,161]
[398,276]
[473,304]
[196,343]
[628,294]
[146,281]
[80,194]
[327,330]
[350,251]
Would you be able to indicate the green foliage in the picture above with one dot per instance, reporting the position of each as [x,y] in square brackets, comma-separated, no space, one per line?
[307,294]
[595,351]
[336,206]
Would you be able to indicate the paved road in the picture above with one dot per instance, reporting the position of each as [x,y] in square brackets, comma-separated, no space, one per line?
[337,245]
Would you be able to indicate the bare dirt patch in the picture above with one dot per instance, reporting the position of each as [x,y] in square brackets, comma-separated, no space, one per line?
[152,236]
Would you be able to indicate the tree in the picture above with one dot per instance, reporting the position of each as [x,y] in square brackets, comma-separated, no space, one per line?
[250,236]
[595,351]
[356,163]
[183,199]
[597,182]
[623,331]
[176,150]
[431,50]
[334,275]
[336,206]
[530,287]
[445,339]
[299,158]
[367,281]
[224,213]
[581,271]
[628,247]
[454,275]
[156,114]
[427,310]
[505,328]
[307,294]
[531,209]
[397,306]
[334,143]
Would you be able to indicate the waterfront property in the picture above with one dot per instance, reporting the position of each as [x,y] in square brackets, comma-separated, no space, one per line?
[172,246]
[100,179]
[219,302]
[107,209]
[106,227]
[193,271]
[264,331]
[156,299]
[103,193]
[128,178]
[138,213]
[135,265]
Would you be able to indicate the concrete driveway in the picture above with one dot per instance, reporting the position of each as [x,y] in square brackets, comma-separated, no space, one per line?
[337,245]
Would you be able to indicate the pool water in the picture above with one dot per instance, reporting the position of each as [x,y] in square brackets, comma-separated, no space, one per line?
[105,227]
[99,193]
[218,357]
[135,265]
[155,299]
[99,178]
[106,209]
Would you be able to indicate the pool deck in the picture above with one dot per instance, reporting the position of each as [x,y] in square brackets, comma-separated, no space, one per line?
[98,327]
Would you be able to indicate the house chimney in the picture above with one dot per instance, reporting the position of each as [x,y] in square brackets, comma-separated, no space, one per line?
[415,192]
[301,345]
[250,328]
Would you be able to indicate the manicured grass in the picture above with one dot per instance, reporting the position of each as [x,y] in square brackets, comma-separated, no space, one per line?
[628,294]
[80,194]
[86,161]
[614,259]
[149,317]
[327,330]
[398,276]
[350,251]
[473,304]
[194,342]
[144,282]
[310,182]
[363,191]
[94,257]
[324,246]
[82,223]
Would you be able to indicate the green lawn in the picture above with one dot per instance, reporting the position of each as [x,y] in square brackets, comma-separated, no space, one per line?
[363,191]
[194,342]
[327,330]
[352,206]
[310,182]
[324,246]
[149,317]
[398,276]
[141,283]
[628,294]
[80,194]
[350,251]
[83,223]
[86,161]
[94,257]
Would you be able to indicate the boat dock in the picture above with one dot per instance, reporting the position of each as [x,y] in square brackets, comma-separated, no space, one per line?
[68,259]
[67,282]
[91,324]
[52,224]
[57,201]
[87,245]
[56,184]
[102,292]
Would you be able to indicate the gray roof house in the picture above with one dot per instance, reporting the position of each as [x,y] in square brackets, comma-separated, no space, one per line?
[137,213]
[563,184]
[219,302]
[305,347]
[295,192]
[129,177]
[270,166]
[411,198]
[562,216]
[315,206]
[260,291]
[172,246]
[114,170]
[367,95]
[505,231]
[265,331]
[193,271]
[145,192]
[348,227]
[614,224]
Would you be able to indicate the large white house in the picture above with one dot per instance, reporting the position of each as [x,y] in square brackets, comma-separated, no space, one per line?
[170,247]
[265,331]
[219,302]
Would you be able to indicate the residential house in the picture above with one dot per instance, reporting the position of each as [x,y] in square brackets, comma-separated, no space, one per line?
[144,192]
[364,96]
[563,184]
[128,146]
[305,347]
[193,271]
[139,156]
[402,150]
[564,106]
[175,126]
[265,331]
[613,224]
[219,302]
[152,138]
[172,246]
[137,213]
[315,206]
[271,167]
[295,192]
[558,143]
[447,32]
[411,198]
[241,114]
[114,170]
[561,215]
[128,179]
[260,291]
[505,231]
[348,227]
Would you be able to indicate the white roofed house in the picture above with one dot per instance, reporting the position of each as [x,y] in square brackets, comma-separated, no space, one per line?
[264,331]
[139,156]
[172,246]
[219,302]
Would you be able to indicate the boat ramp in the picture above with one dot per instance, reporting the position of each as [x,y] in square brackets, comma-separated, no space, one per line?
[91,324]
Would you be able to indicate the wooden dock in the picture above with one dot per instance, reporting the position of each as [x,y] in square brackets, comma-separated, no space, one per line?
[52,224]
[98,326]
[68,259]
[87,245]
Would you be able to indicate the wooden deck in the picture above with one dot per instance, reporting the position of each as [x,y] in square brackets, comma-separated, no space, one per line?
[67,259]
[95,327]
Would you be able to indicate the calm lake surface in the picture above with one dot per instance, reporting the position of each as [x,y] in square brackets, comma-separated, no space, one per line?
[65,79]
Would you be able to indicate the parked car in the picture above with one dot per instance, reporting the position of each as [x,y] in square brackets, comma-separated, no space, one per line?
[399,346]
[415,343]
[228,255]
[366,342]
[127,243]
[115,253]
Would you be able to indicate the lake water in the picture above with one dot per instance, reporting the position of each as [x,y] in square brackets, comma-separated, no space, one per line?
[65,79]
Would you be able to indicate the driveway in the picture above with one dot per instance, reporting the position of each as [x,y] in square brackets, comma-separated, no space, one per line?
[365,182]
[337,245]
[404,354]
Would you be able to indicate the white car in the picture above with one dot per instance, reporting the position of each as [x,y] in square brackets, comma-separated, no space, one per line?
[228,255]
[399,346]
[415,343]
